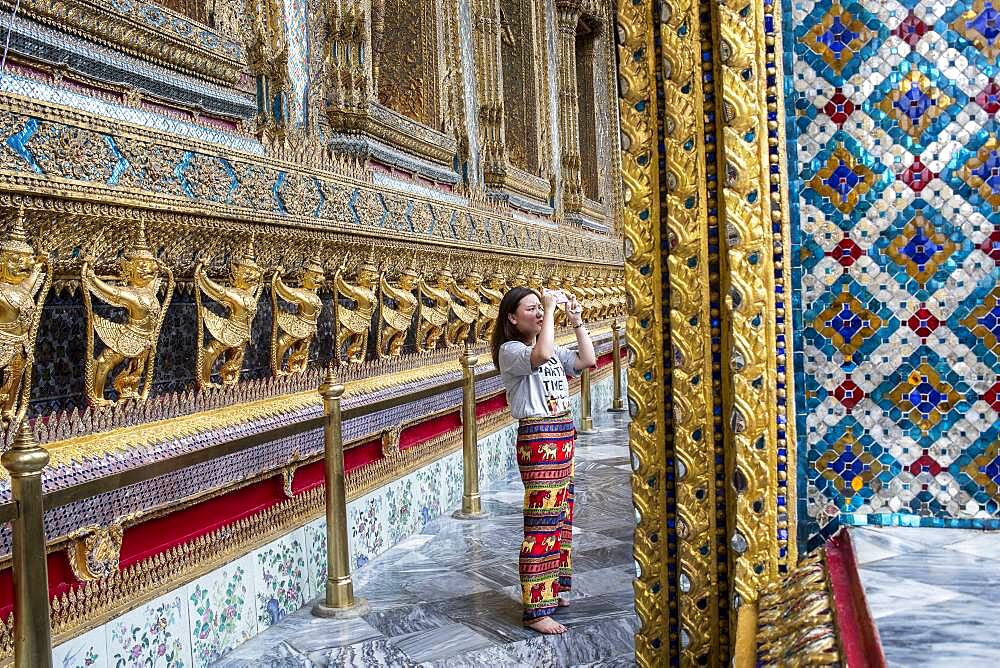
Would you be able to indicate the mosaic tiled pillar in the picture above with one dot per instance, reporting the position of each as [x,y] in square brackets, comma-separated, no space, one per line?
[892,141]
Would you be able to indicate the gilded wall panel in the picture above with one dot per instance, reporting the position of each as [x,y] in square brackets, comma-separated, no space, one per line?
[407,58]
[517,36]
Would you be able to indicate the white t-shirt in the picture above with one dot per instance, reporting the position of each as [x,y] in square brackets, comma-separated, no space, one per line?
[541,392]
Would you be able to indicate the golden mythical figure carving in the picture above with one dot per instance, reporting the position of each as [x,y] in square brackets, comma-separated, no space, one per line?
[465,306]
[397,318]
[591,304]
[24,284]
[130,343]
[229,334]
[519,280]
[435,306]
[606,296]
[353,323]
[554,282]
[536,281]
[489,307]
[292,332]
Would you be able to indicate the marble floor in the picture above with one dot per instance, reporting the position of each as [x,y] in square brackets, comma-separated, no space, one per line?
[934,594]
[449,596]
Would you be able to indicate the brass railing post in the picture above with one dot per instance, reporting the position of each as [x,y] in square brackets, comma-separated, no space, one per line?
[472,508]
[586,419]
[340,601]
[32,640]
[617,405]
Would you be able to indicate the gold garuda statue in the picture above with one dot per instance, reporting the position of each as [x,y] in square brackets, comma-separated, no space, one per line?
[588,296]
[397,306]
[129,354]
[536,281]
[228,334]
[554,282]
[353,322]
[24,284]
[489,307]
[465,306]
[435,307]
[292,331]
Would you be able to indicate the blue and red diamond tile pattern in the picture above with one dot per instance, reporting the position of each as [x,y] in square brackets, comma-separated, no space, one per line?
[893,144]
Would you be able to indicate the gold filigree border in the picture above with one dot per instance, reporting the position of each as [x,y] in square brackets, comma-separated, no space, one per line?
[688,277]
[337,176]
[643,272]
[749,347]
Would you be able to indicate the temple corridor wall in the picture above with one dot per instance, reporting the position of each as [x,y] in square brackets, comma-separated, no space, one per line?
[893,148]
[206,204]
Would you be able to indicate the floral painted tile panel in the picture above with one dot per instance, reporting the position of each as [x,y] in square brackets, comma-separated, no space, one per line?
[89,650]
[369,533]
[221,610]
[280,578]
[316,559]
[156,635]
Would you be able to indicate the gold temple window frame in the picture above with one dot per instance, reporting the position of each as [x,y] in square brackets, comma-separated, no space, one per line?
[585,36]
[149,31]
[501,170]
[359,101]
[589,36]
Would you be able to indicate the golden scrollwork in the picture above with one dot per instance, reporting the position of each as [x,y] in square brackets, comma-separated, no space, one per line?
[436,304]
[229,334]
[648,430]
[129,354]
[24,284]
[397,307]
[809,636]
[94,551]
[353,322]
[749,347]
[292,332]
[686,226]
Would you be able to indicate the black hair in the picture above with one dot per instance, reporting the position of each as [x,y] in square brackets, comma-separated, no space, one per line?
[504,330]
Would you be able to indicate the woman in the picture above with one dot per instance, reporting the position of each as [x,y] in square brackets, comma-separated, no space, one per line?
[534,371]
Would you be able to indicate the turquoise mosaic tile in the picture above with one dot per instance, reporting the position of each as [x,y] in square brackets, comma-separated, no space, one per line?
[893,146]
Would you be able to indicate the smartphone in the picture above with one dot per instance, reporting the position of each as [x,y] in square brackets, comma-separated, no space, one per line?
[561,297]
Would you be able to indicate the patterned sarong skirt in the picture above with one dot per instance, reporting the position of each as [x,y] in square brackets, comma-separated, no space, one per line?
[545,449]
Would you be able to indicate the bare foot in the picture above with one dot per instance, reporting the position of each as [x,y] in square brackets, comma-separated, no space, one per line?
[563,603]
[547,625]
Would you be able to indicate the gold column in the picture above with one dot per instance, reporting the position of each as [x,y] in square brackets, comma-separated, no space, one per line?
[32,642]
[472,508]
[617,405]
[567,17]
[340,602]
[586,417]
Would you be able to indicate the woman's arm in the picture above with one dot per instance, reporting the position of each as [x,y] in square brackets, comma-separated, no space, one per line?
[545,344]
